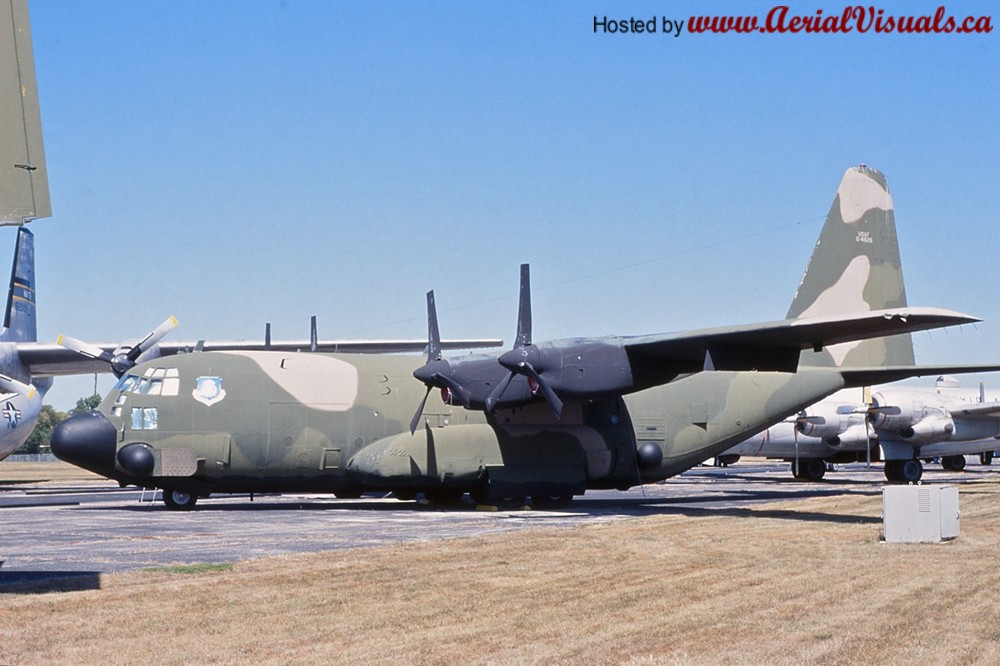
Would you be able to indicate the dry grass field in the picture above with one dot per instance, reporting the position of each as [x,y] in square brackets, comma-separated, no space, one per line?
[44,472]
[803,581]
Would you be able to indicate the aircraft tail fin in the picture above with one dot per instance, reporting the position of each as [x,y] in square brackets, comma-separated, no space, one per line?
[855,267]
[19,321]
[24,185]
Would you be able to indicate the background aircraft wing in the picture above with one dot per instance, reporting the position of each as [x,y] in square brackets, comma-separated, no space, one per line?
[981,410]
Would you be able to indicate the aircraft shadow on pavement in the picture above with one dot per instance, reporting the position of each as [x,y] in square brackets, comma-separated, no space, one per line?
[743,503]
[43,582]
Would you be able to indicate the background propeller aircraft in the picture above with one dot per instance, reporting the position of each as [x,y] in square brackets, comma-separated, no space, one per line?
[545,419]
[947,421]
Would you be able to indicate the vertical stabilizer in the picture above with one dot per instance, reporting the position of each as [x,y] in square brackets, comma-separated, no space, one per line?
[855,267]
[24,184]
[19,319]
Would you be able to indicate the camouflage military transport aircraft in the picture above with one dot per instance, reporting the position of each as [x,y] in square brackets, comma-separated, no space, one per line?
[547,420]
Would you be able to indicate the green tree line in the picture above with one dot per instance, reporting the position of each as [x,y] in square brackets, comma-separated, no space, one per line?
[38,440]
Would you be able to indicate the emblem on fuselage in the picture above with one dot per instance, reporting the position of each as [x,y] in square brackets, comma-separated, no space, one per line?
[208,390]
[12,414]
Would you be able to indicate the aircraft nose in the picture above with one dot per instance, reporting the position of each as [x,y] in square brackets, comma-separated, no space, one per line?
[86,440]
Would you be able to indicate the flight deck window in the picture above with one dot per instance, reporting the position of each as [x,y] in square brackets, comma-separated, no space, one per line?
[128,383]
[155,381]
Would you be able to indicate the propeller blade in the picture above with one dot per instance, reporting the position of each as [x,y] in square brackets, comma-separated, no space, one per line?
[433,334]
[154,336]
[456,389]
[550,396]
[524,310]
[420,410]
[494,397]
[85,348]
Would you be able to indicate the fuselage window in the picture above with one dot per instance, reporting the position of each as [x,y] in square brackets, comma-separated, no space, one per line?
[144,418]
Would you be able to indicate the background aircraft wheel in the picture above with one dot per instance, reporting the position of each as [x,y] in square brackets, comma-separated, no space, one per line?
[347,494]
[986,457]
[813,470]
[892,470]
[179,501]
[910,471]
[954,463]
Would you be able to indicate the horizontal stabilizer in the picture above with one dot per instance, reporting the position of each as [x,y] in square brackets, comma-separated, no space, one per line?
[885,374]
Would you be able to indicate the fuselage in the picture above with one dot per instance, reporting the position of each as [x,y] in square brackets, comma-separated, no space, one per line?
[269,421]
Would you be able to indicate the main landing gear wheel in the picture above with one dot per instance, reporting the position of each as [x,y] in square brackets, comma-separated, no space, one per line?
[444,496]
[903,471]
[179,501]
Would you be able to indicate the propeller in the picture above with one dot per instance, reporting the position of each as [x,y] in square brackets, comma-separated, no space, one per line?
[123,358]
[524,357]
[436,372]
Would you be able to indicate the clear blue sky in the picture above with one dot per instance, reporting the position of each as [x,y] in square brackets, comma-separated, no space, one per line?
[233,163]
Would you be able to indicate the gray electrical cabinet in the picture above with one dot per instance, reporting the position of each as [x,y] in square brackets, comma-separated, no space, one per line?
[920,514]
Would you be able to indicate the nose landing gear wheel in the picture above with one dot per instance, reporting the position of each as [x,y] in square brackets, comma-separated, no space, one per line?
[179,501]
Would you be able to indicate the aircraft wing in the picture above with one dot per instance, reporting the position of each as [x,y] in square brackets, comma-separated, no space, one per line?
[52,360]
[980,410]
[776,345]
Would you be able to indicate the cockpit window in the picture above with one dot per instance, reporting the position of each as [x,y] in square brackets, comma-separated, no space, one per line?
[154,381]
[127,383]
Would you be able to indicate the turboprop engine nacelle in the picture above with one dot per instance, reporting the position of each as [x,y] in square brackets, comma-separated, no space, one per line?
[827,422]
[854,437]
[890,412]
[933,429]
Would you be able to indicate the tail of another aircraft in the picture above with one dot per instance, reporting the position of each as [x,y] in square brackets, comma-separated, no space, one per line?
[24,184]
[19,318]
[855,267]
